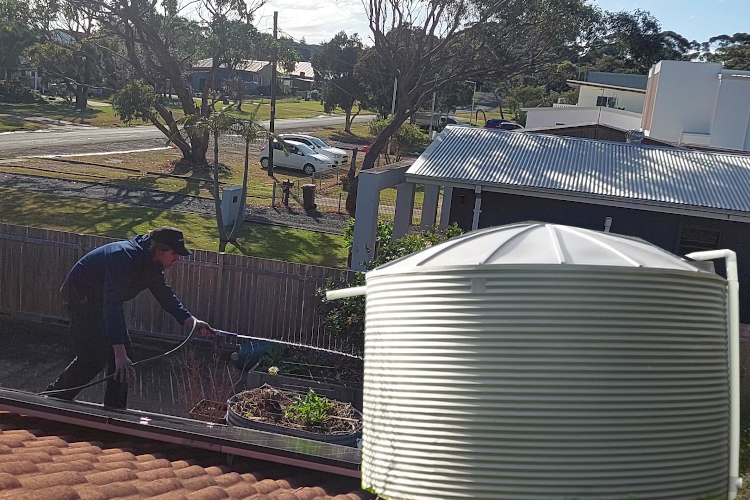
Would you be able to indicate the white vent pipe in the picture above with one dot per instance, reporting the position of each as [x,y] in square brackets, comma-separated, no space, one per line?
[733,292]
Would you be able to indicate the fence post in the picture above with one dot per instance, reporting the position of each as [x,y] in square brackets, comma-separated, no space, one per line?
[273,195]
[339,202]
[217,292]
[81,248]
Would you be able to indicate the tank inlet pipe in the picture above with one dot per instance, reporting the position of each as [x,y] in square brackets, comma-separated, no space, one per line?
[733,292]
[345,293]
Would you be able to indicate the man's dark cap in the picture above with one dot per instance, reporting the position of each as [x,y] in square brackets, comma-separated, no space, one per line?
[172,237]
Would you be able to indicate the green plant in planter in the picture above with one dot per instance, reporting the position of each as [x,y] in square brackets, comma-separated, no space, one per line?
[308,410]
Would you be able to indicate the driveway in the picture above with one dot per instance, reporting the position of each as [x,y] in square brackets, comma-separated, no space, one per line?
[69,140]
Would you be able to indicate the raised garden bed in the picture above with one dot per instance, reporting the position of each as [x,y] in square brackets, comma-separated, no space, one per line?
[209,411]
[292,413]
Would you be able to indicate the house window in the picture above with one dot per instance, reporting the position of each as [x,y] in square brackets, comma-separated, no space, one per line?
[694,239]
[606,102]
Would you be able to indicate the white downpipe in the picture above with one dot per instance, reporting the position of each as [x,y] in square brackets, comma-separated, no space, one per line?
[733,292]
[345,293]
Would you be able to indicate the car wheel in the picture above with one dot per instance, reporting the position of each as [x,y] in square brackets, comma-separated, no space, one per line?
[264,163]
[308,169]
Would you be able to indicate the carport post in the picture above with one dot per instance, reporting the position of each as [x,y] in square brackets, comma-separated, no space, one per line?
[445,211]
[404,209]
[477,208]
[365,220]
[429,206]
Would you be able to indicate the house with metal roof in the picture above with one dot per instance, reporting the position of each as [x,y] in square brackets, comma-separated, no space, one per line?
[255,73]
[681,200]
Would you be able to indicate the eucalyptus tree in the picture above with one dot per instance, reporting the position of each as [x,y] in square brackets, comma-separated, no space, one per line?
[459,41]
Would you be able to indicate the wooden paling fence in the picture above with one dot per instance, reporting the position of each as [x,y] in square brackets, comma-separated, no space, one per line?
[246,295]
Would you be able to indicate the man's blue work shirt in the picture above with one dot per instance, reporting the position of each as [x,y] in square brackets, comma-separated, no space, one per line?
[114,273]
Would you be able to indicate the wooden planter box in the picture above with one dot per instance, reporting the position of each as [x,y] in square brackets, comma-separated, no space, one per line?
[330,391]
[209,411]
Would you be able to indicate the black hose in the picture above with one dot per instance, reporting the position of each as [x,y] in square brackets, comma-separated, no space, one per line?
[143,361]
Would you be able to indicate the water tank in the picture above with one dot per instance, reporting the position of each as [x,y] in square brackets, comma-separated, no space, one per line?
[538,361]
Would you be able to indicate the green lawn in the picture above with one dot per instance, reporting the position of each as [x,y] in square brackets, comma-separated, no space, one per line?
[101,116]
[104,116]
[122,221]
[13,123]
[147,169]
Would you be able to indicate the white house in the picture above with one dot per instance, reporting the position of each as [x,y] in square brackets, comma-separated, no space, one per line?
[611,99]
[698,104]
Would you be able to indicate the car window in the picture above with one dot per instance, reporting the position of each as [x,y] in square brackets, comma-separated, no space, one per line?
[303,141]
[305,149]
[318,142]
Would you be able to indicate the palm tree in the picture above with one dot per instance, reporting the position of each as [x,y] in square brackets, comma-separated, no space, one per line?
[249,130]
[215,124]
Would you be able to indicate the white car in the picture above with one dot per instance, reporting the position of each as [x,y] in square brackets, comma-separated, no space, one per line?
[297,156]
[337,156]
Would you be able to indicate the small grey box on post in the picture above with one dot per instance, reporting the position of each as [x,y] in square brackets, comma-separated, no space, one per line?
[230,204]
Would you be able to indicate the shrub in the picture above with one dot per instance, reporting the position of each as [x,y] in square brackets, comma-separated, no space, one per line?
[407,139]
[15,91]
[345,318]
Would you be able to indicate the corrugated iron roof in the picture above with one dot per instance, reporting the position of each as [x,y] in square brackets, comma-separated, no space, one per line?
[248,65]
[303,67]
[720,182]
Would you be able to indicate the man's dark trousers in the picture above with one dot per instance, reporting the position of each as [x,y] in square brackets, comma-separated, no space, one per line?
[93,353]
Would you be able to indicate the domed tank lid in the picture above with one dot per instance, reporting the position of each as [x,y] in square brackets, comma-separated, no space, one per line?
[538,243]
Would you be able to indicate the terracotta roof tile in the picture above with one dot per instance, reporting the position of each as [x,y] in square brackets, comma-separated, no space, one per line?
[112,476]
[38,482]
[152,475]
[41,460]
[199,482]
[75,465]
[53,493]
[210,493]
[71,458]
[159,463]
[8,481]
[190,472]
[158,487]
[241,490]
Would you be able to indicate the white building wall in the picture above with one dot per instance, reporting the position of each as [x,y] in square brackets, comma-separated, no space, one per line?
[684,99]
[628,101]
[550,117]
[730,127]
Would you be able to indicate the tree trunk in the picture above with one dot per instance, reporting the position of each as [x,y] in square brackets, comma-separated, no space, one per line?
[239,105]
[198,148]
[241,212]
[348,122]
[217,198]
[82,96]
[371,157]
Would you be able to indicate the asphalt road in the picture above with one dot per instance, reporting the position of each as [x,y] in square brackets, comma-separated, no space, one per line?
[81,140]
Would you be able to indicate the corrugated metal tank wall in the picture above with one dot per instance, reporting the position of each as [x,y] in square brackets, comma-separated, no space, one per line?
[546,382]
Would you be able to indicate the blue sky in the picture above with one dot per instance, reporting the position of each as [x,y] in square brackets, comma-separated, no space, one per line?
[319,20]
[693,19]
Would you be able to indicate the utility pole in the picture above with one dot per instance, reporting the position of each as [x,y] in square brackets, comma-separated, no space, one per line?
[473,100]
[432,113]
[273,92]
[393,111]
